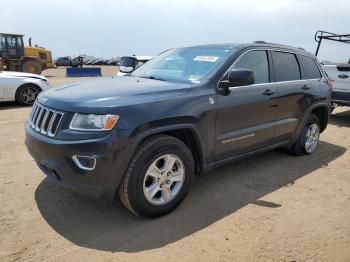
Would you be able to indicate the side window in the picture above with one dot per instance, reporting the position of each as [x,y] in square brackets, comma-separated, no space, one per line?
[310,69]
[2,42]
[286,66]
[257,62]
[19,41]
[11,42]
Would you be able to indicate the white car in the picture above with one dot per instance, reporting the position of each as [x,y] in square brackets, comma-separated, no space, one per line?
[340,74]
[21,87]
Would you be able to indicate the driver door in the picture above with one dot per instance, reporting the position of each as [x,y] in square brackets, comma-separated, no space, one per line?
[246,115]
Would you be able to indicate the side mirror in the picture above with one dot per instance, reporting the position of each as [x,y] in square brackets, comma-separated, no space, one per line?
[127,64]
[238,77]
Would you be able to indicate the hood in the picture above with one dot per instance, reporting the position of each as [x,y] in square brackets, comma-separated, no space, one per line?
[21,74]
[100,95]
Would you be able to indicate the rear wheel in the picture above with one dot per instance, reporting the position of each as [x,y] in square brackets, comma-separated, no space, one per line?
[158,177]
[308,140]
[32,66]
[27,94]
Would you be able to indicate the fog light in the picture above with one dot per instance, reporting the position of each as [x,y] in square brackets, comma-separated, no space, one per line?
[85,162]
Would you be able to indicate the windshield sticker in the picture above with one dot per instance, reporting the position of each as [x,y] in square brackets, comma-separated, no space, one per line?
[204,58]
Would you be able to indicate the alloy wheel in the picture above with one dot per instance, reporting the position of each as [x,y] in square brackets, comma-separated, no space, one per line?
[28,95]
[312,137]
[164,179]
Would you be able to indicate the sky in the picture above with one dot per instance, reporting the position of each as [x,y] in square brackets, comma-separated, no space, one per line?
[110,28]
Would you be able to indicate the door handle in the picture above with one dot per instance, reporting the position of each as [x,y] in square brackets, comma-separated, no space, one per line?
[306,87]
[268,92]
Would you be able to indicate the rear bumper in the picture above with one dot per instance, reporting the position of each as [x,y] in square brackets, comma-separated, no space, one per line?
[54,158]
[341,98]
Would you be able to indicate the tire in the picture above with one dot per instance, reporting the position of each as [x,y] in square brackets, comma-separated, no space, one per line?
[26,94]
[32,66]
[301,146]
[152,155]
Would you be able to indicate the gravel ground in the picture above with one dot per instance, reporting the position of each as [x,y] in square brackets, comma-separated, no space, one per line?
[271,207]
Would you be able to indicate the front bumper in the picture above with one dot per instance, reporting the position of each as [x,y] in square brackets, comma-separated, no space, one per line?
[54,158]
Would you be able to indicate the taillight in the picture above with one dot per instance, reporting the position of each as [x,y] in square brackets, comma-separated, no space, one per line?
[330,82]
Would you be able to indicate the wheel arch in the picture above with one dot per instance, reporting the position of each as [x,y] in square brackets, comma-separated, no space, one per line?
[322,112]
[322,109]
[33,58]
[30,58]
[187,133]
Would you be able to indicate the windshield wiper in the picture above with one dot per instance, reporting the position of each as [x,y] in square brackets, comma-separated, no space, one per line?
[153,77]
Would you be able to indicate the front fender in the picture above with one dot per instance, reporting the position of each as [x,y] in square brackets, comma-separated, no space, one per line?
[134,138]
[138,136]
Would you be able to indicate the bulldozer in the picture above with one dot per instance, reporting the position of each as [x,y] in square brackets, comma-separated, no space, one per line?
[14,56]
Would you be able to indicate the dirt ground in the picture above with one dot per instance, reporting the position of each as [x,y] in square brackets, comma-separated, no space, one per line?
[272,207]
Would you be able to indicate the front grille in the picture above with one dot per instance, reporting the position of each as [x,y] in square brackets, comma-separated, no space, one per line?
[44,120]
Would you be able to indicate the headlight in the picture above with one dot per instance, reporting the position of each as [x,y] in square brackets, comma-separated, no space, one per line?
[91,122]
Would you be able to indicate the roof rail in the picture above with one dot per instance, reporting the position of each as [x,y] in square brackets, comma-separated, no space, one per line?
[279,45]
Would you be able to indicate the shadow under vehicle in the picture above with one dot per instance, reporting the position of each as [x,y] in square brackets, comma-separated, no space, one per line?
[215,195]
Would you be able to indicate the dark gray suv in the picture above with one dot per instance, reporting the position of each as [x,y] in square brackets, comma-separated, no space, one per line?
[143,136]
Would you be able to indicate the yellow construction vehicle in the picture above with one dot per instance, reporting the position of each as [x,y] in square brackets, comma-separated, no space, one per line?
[14,56]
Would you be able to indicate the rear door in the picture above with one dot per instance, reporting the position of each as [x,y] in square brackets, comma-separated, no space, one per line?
[292,100]
[311,72]
[245,117]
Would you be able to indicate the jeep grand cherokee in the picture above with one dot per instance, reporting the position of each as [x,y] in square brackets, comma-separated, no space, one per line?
[143,136]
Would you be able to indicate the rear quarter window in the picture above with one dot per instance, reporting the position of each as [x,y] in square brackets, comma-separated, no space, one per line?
[310,69]
[286,67]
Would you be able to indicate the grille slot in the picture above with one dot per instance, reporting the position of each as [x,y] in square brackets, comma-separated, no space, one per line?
[44,120]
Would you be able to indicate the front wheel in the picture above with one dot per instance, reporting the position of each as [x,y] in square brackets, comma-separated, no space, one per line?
[158,177]
[308,140]
[27,94]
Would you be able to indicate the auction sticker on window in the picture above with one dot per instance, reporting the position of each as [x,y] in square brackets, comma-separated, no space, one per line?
[204,58]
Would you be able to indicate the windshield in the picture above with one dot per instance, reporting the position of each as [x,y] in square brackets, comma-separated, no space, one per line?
[184,65]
